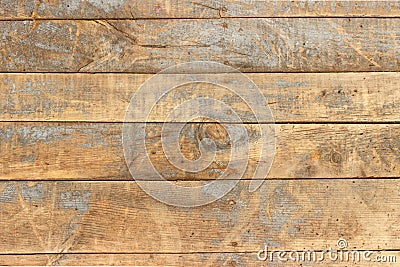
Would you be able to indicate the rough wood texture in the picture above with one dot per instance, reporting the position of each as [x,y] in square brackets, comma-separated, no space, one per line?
[66,195]
[310,8]
[55,217]
[90,151]
[251,45]
[323,97]
[176,259]
[95,9]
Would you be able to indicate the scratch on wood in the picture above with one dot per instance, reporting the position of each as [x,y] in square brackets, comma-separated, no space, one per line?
[34,16]
[343,33]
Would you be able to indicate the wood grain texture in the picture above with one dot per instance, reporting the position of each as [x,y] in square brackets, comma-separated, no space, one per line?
[55,217]
[92,151]
[96,9]
[176,259]
[322,97]
[66,195]
[310,8]
[251,45]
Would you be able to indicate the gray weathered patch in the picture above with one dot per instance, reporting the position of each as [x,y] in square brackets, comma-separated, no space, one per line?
[32,193]
[109,5]
[339,100]
[9,193]
[6,134]
[44,134]
[28,158]
[280,209]
[285,84]
[75,200]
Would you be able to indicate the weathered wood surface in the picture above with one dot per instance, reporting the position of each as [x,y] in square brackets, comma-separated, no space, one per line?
[310,8]
[251,45]
[95,9]
[55,217]
[333,176]
[322,97]
[175,259]
[93,151]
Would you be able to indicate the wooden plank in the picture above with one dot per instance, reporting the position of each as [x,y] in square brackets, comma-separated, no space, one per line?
[309,97]
[177,259]
[251,45]
[95,9]
[97,217]
[90,151]
[310,8]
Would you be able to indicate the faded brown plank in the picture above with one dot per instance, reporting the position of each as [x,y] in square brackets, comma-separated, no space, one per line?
[160,259]
[251,45]
[308,97]
[55,217]
[95,9]
[310,8]
[90,151]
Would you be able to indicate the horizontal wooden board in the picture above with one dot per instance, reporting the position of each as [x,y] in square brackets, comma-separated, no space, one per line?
[90,151]
[310,8]
[118,217]
[179,259]
[96,9]
[309,97]
[251,45]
